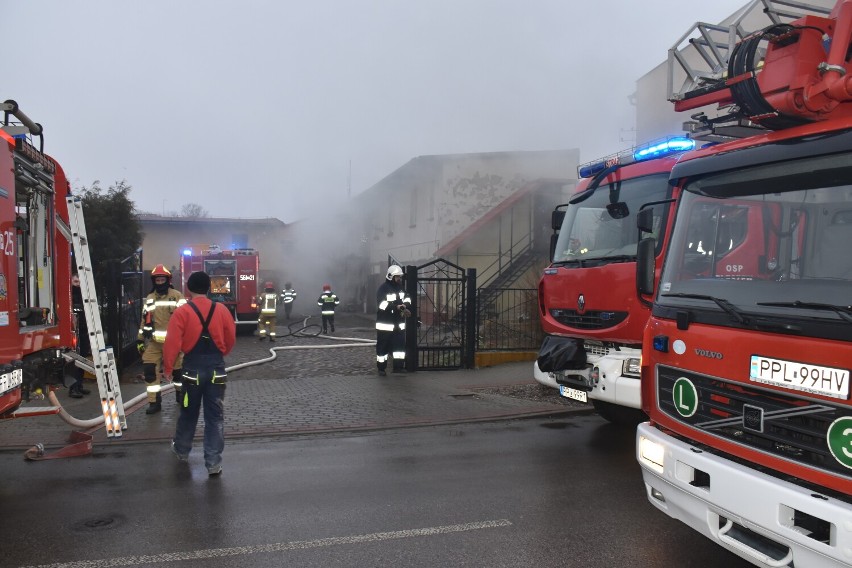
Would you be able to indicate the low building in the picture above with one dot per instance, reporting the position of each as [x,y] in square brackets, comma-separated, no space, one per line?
[165,238]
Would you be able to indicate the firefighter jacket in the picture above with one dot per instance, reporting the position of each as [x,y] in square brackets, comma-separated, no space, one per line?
[328,301]
[288,295]
[389,315]
[268,302]
[157,309]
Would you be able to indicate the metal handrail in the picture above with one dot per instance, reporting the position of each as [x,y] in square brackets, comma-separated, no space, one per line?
[493,271]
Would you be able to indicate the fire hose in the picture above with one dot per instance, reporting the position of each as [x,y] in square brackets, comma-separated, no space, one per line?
[169,387]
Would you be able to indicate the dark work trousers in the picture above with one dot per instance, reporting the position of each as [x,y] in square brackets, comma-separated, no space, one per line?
[390,345]
[203,384]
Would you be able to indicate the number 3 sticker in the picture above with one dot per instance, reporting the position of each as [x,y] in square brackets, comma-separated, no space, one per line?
[839,437]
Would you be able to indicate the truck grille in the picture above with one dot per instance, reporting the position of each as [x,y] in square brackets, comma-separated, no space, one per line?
[769,421]
[589,319]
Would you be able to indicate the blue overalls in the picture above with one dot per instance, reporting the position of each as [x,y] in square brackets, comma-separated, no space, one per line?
[203,383]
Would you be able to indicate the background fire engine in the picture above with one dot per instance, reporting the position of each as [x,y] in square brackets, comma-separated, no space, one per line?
[234,279]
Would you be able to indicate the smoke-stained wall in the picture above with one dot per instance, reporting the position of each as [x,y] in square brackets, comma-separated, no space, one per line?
[431,200]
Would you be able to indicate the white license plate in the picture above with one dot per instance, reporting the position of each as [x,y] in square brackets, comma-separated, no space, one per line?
[827,381]
[10,380]
[568,392]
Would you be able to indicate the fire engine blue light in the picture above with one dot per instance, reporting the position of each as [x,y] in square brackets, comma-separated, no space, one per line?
[187,252]
[663,148]
[591,169]
[661,343]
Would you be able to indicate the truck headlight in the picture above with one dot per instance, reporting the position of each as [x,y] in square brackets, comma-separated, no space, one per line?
[652,454]
[632,367]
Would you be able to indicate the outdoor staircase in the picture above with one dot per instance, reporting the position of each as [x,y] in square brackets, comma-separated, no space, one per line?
[490,287]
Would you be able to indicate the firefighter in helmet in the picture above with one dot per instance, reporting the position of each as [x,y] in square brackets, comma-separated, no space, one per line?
[157,310]
[268,303]
[288,295]
[392,308]
[327,302]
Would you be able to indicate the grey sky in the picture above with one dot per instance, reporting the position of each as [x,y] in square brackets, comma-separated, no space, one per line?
[256,108]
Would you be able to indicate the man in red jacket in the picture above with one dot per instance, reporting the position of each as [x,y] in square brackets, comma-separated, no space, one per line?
[204,332]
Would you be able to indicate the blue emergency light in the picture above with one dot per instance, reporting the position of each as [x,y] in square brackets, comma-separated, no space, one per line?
[663,148]
[656,149]
[187,252]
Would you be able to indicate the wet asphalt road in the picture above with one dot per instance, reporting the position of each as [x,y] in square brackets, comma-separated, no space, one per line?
[537,492]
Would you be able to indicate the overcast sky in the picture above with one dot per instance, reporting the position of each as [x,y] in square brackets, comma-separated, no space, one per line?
[257,108]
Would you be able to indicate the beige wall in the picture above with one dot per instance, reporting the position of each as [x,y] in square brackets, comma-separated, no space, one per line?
[433,199]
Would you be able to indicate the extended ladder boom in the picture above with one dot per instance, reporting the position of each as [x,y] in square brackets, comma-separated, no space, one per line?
[103,365]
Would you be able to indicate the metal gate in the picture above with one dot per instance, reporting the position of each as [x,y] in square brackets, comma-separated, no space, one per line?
[439,338]
[121,309]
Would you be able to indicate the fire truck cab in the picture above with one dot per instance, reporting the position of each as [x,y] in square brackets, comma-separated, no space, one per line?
[587,296]
[233,279]
[747,355]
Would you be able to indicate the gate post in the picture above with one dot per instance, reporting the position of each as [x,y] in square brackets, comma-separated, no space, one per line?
[112,299]
[470,320]
[411,355]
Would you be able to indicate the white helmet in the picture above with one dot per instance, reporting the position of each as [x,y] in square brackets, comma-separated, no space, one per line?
[393,270]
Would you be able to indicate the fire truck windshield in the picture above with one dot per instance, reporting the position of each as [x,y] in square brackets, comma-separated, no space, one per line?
[603,226]
[772,242]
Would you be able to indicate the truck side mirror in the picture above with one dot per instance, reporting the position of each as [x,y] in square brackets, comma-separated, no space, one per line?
[645,265]
[645,220]
[553,238]
[556,219]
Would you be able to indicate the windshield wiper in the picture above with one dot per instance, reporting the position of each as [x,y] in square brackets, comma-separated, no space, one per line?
[578,262]
[724,304]
[845,312]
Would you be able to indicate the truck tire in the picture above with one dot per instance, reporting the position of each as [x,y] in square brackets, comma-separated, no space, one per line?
[620,415]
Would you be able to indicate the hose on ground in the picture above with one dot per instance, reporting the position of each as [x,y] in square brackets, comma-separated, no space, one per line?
[169,387]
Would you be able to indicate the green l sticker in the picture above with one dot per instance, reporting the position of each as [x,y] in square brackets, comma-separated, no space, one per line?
[685,397]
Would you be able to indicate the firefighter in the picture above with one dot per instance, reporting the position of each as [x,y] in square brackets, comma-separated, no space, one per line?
[268,302]
[157,310]
[392,309]
[84,346]
[288,295]
[327,302]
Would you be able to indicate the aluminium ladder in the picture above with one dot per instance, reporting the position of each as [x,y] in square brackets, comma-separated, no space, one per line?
[103,364]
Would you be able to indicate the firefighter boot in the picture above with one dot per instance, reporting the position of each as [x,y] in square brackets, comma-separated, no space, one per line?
[155,407]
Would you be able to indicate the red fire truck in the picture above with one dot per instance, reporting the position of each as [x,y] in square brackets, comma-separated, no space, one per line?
[35,264]
[587,296]
[747,354]
[233,279]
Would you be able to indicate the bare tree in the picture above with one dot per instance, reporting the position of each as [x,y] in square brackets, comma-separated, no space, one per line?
[193,210]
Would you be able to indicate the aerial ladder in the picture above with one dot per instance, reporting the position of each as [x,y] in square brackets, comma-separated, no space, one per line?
[739,66]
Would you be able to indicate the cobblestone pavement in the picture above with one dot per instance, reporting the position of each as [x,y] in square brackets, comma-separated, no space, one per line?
[308,384]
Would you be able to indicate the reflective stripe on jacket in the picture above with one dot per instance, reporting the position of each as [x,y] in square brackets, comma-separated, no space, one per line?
[327,301]
[157,310]
[268,303]
[388,297]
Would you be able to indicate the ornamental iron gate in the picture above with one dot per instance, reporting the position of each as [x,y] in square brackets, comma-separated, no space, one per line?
[121,307]
[440,337]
